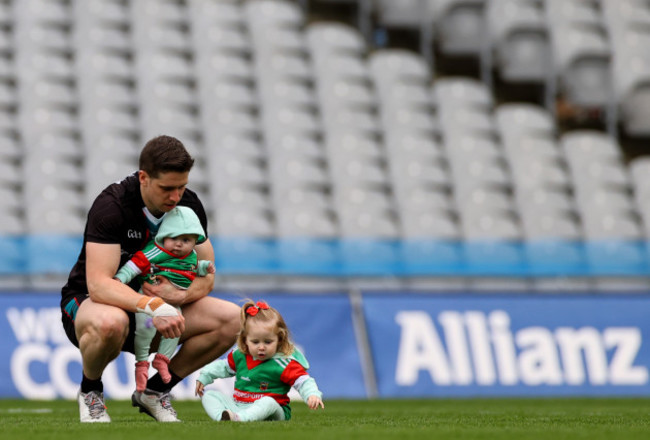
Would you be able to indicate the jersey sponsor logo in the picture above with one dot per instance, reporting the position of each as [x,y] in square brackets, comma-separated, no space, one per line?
[132,233]
[249,397]
[481,348]
[245,396]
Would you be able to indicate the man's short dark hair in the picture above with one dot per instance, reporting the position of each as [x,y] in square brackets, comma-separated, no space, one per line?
[164,154]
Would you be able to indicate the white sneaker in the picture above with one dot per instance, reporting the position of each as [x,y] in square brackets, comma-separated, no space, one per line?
[229,415]
[155,404]
[92,408]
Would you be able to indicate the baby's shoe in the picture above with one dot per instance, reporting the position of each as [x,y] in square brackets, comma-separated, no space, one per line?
[161,363]
[228,415]
[141,375]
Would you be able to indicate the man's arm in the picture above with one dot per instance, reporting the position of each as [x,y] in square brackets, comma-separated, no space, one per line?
[202,286]
[102,261]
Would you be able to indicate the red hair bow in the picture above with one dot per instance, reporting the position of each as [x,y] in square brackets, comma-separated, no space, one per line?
[252,310]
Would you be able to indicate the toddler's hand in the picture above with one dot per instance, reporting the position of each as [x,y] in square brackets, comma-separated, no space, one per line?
[313,402]
[199,389]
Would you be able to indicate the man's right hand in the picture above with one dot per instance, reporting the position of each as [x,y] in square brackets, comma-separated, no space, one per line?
[167,319]
[170,326]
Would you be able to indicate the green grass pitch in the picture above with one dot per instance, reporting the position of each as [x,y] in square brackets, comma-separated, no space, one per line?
[493,419]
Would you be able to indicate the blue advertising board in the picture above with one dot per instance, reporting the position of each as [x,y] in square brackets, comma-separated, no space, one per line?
[40,363]
[509,345]
[421,345]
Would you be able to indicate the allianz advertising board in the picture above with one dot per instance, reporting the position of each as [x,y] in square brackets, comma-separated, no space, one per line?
[509,345]
[421,345]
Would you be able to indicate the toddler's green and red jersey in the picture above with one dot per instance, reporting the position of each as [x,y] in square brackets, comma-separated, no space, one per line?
[272,377]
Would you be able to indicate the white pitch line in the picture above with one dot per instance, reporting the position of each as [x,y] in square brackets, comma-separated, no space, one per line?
[27,410]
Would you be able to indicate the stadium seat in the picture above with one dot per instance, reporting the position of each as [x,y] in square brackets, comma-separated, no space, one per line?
[307,222]
[470,172]
[522,148]
[541,173]
[102,12]
[41,12]
[297,171]
[333,36]
[574,12]
[312,198]
[278,38]
[611,226]
[12,223]
[516,119]
[582,61]
[604,199]
[244,221]
[203,14]
[541,224]
[221,64]
[542,199]
[389,65]
[273,13]
[489,224]
[10,149]
[483,199]
[298,94]
[519,38]
[639,169]
[289,145]
[628,25]
[154,11]
[460,26]
[462,91]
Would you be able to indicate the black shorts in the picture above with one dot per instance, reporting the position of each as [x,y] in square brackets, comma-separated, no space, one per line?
[69,307]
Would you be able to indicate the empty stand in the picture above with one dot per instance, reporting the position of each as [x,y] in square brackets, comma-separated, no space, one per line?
[323,160]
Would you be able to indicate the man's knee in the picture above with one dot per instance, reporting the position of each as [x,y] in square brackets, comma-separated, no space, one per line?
[111,328]
[214,315]
[230,318]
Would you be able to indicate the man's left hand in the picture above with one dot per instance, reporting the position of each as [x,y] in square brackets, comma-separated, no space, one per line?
[165,290]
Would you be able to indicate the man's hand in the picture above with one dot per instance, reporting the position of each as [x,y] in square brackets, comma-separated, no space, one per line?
[167,319]
[170,326]
[165,290]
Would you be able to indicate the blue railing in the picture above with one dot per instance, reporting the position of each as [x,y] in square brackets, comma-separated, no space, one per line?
[43,254]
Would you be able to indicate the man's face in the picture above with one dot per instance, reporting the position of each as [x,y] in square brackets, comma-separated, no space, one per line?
[162,194]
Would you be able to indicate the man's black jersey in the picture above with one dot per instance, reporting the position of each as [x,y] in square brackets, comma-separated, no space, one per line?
[116,217]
